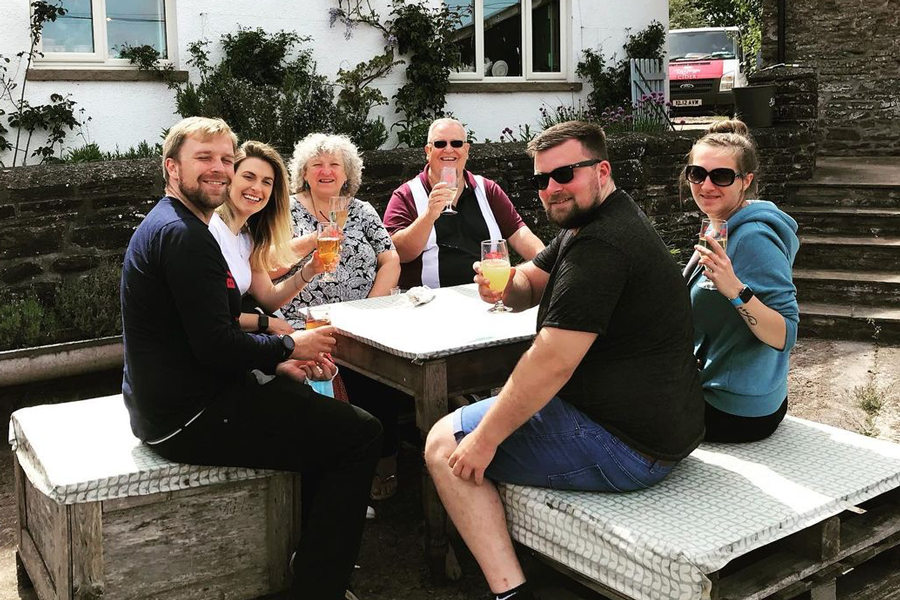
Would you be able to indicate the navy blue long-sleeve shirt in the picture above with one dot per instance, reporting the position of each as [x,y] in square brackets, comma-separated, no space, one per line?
[183,343]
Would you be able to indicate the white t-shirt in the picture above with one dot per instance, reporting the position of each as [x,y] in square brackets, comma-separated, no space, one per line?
[236,250]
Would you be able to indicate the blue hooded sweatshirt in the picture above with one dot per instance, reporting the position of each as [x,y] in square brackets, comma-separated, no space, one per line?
[740,374]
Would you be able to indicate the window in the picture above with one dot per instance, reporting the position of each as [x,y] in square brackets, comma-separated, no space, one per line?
[93,32]
[498,44]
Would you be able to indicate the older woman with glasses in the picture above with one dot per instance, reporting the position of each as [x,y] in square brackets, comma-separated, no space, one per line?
[745,327]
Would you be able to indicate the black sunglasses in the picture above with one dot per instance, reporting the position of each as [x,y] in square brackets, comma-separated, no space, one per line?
[443,143]
[722,177]
[560,174]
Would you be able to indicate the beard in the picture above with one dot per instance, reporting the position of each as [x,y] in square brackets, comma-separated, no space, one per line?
[577,217]
[202,200]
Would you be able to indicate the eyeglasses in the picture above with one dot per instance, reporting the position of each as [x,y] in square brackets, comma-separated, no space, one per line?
[443,143]
[722,177]
[560,174]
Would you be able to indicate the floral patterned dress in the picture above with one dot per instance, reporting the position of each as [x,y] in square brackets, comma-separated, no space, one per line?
[364,239]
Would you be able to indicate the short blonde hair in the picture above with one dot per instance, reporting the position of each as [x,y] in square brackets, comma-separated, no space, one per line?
[271,228]
[316,144]
[202,128]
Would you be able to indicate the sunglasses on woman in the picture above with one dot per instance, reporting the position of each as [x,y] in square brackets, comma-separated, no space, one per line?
[560,174]
[722,177]
[443,143]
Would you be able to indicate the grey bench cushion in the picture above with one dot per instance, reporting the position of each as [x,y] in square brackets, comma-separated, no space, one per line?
[720,503]
[84,451]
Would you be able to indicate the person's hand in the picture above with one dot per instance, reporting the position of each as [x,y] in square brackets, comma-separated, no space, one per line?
[471,457]
[314,266]
[279,327]
[438,199]
[718,269]
[323,370]
[293,369]
[313,344]
[484,288]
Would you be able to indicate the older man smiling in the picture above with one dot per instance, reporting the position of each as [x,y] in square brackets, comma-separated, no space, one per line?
[438,248]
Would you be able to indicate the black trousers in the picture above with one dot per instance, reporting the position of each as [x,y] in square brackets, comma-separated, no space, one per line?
[381,401]
[284,425]
[725,427]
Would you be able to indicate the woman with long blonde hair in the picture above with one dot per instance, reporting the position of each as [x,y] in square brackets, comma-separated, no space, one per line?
[254,231]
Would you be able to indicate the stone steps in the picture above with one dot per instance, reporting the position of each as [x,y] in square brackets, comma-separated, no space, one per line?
[850,322]
[849,253]
[859,195]
[851,220]
[865,288]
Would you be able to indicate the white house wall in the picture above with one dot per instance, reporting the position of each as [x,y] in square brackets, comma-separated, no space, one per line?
[126,113]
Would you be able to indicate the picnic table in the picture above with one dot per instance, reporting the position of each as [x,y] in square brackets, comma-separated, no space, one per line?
[447,347]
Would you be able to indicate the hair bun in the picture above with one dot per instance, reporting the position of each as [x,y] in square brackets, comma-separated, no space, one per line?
[735,126]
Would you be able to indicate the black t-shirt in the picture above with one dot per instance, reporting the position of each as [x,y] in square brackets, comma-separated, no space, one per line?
[459,240]
[183,344]
[639,380]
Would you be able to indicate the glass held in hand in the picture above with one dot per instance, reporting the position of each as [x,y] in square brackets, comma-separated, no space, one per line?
[338,209]
[448,176]
[328,244]
[717,229]
[317,316]
[495,268]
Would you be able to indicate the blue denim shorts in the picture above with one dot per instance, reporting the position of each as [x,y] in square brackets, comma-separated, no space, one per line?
[560,447]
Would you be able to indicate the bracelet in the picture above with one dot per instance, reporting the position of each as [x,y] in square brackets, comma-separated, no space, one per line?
[302,277]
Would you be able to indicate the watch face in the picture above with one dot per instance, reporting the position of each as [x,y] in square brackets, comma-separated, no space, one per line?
[746,294]
[288,343]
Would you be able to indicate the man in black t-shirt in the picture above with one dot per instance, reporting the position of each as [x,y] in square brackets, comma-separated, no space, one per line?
[186,382]
[608,396]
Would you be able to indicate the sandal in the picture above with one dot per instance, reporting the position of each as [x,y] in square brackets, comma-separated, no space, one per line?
[383,487]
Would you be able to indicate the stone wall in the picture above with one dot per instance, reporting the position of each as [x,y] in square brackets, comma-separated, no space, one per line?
[60,221]
[855,48]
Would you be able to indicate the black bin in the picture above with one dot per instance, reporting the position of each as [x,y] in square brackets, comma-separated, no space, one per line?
[755,104]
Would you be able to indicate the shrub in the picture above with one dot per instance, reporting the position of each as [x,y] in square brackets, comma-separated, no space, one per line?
[22,323]
[89,305]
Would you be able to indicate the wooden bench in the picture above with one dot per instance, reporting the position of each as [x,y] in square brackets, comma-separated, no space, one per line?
[102,515]
[772,519]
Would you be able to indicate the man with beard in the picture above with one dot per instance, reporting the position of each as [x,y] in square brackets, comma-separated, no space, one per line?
[608,397]
[186,382]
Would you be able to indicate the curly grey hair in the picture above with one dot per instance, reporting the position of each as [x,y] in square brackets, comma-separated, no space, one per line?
[316,144]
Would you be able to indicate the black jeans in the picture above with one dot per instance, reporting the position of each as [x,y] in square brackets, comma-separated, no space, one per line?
[284,425]
[381,401]
[725,427]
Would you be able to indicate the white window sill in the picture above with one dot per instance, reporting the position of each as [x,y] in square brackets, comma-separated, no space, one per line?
[488,87]
[100,74]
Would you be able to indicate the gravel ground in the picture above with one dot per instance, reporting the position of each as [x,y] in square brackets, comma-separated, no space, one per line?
[853,385]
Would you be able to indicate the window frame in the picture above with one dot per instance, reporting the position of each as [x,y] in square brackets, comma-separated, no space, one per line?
[529,74]
[100,59]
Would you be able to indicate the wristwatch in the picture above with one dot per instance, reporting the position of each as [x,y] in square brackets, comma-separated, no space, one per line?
[287,342]
[262,323]
[743,297]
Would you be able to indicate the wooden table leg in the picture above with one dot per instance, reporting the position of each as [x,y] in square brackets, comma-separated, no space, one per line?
[431,406]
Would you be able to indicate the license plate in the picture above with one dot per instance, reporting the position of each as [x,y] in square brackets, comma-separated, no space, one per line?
[692,102]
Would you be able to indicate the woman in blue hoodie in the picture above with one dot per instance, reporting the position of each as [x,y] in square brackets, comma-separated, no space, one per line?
[744,329]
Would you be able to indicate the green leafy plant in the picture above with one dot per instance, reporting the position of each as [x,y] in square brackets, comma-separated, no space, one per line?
[53,118]
[91,152]
[21,323]
[611,85]
[89,305]
[423,33]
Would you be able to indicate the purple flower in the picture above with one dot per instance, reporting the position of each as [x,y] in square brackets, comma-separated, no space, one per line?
[333,15]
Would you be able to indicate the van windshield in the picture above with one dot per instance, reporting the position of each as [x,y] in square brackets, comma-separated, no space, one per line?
[699,45]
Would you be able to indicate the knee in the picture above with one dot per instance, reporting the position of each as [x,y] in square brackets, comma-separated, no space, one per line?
[370,427]
[439,444]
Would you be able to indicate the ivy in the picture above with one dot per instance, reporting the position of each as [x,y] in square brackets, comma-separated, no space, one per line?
[423,34]
[53,118]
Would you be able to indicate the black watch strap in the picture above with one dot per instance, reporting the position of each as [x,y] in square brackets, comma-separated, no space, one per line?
[262,323]
[287,343]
